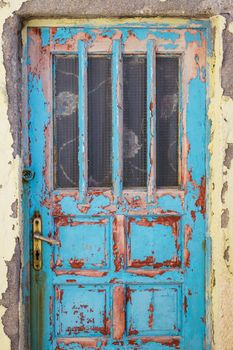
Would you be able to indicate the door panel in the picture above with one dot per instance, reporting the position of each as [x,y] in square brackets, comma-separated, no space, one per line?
[120,188]
[82,310]
[84,244]
[145,314]
[153,242]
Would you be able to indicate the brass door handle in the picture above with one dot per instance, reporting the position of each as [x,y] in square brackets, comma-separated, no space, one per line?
[37,239]
[46,239]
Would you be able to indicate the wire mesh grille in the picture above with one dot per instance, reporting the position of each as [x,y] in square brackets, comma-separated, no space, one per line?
[167,74]
[99,121]
[66,121]
[134,121]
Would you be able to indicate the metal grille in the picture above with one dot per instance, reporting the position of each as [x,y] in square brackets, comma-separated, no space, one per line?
[99,121]
[134,121]
[167,74]
[66,121]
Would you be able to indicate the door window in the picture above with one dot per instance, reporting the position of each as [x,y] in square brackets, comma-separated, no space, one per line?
[99,96]
[100,121]
[134,121]
[66,121]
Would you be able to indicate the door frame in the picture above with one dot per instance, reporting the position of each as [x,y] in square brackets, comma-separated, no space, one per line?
[158,23]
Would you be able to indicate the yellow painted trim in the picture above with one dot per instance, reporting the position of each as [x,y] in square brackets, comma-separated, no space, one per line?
[67,22]
[215,148]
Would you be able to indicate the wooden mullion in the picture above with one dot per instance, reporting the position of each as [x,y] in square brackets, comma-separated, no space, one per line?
[151,119]
[82,120]
[117,123]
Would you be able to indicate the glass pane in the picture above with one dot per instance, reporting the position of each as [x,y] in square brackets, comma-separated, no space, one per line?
[99,121]
[167,74]
[66,121]
[134,121]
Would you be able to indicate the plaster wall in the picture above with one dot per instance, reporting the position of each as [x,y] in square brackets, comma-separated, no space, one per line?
[220,186]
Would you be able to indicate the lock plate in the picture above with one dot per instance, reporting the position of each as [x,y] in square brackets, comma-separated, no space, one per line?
[36,243]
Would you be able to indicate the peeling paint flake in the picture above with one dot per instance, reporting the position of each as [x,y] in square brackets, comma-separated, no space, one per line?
[193,37]
[63,34]
[228,155]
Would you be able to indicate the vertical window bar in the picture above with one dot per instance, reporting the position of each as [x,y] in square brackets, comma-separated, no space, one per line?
[82,108]
[117,118]
[180,176]
[151,119]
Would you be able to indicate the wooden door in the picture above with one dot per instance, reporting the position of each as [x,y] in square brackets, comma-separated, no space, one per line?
[116,138]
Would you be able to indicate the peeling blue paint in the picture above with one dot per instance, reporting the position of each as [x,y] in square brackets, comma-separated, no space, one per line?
[38,106]
[165,35]
[82,108]
[196,127]
[68,205]
[151,116]
[64,33]
[116,115]
[158,242]
[45,36]
[40,290]
[170,46]
[139,33]
[167,203]
[108,33]
[192,37]
[108,239]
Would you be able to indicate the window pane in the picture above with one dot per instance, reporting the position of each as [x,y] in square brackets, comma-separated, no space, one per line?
[134,121]
[66,121]
[99,121]
[167,71]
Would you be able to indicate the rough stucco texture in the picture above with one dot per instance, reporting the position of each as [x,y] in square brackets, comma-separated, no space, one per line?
[101,8]
[220,198]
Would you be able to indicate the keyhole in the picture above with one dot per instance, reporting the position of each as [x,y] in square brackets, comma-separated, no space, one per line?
[37,222]
[37,247]
[37,254]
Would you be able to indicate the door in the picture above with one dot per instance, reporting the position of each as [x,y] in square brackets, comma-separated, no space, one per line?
[116,140]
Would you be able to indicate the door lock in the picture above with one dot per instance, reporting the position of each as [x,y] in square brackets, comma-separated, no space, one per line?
[28,174]
[36,243]
[38,239]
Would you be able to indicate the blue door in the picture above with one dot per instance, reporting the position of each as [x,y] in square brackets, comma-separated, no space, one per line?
[116,140]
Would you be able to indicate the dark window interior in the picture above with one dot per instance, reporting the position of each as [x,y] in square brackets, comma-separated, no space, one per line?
[134,121]
[99,121]
[167,90]
[66,121]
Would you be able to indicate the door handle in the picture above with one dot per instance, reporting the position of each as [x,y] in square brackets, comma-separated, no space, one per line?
[47,240]
[37,239]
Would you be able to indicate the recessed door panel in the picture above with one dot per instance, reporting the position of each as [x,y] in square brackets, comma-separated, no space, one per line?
[84,244]
[82,310]
[153,242]
[153,310]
